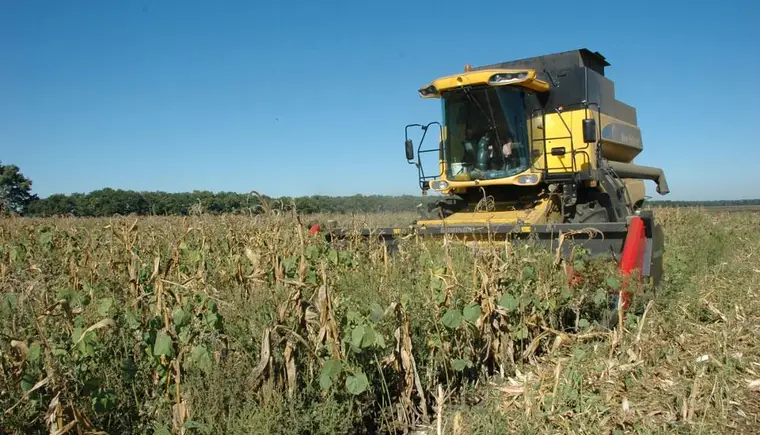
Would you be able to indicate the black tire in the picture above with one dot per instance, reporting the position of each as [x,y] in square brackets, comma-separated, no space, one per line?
[589,212]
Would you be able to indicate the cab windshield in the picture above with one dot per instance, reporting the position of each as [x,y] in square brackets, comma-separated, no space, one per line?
[486,133]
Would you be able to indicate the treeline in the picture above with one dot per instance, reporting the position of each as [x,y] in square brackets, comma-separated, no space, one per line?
[109,202]
[715,203]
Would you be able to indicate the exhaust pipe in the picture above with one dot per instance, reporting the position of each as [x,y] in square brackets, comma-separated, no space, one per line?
[629,170]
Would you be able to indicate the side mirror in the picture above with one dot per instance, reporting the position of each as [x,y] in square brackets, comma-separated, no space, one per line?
[409,149]
[589,130]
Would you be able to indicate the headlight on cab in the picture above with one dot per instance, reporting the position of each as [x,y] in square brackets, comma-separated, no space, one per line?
[504,78]
[527,179]
[439,185]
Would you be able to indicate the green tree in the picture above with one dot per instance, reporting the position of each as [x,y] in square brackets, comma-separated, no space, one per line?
[15,190]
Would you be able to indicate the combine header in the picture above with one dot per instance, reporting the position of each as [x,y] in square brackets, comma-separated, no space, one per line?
[536,149]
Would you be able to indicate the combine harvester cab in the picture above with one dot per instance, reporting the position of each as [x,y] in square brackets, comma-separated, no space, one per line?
[540,150]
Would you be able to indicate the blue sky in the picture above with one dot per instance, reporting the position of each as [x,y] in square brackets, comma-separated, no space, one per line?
[240,96]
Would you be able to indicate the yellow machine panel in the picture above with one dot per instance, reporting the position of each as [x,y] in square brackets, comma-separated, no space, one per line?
[564,138]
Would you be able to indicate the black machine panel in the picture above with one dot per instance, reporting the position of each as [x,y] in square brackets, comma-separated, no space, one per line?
[575,76]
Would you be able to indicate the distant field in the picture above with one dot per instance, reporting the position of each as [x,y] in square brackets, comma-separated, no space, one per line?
[717,208]
[235,324]
[731,208]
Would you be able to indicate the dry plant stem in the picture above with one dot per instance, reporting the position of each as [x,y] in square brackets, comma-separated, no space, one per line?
[384,386]
[439,418]
[557,372]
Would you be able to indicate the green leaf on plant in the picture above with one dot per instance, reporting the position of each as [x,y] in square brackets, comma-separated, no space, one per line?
[201,358]
[200,298]
[330,371]
[9,303]
[195,256]
[85,346]
[357,336]
[357,384]
[529,272]
[346,259]
[14,254]
[437,284]
[70,295]
[333,257]
[521,333]
[34,352]
[600,297]
[290,265]
[103,401]
[508,302]
[311,252]
[583,324]
[405,299]
[376,311]
[163,345]
[131,318]
[369,337]
[180,317]
[128,369]
[76,333]
[379,340]
[452,318]
[471,312]
[631,321]
[311,277]
[105,306]
[613,282]
[185,335]
[460,364]
[84,341]
[192,424]
[353,316]
[435,341]
[212,320]
[27,381]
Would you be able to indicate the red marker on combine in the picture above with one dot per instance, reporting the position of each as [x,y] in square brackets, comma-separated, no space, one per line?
[632,260]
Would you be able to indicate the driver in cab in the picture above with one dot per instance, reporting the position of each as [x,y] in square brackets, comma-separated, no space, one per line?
[480,150]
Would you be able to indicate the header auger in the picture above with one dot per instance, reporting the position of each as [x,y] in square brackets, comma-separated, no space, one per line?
[533,148]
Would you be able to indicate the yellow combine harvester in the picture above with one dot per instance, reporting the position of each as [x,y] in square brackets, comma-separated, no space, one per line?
[536,147]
